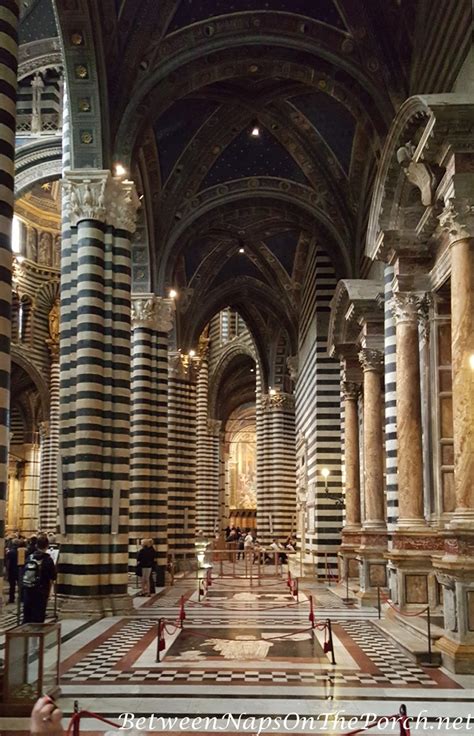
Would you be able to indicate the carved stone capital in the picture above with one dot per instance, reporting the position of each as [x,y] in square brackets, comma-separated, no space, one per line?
[457,219]
[371,360]
[214,427]
[153,312]
[277,400]
[93,194]
[406,306]
[293,367]
[350,390]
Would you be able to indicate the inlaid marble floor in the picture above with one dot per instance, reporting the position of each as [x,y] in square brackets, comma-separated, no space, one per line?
[249,651]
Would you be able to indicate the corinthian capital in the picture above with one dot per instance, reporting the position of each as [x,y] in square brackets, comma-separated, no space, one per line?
[371,360]
[406,306]
[457,219]
[350,390]
[94,194]
[153,312]
[277,400]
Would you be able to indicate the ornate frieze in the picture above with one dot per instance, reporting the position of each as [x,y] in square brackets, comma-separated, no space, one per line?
[92,194]
[293,367]
[153,312]
[371,360]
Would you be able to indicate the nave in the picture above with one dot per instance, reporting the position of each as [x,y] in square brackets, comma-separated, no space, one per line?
[247,649]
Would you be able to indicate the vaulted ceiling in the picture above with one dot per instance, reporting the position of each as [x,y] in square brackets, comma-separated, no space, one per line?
[230,217]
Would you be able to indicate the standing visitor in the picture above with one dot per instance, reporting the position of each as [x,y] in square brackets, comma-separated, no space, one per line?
[38,576]
[145,562]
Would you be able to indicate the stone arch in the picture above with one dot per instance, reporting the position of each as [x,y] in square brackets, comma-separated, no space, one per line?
[230,353]
[18,356]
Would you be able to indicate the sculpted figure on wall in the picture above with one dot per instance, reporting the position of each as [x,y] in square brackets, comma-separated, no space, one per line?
[54,321]
[57,252]
[44,249]
[31,244]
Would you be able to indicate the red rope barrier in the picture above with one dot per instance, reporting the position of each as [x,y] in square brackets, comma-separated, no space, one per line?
[407,614]
[269,638]
[403,720]
[76,720]
[205,604]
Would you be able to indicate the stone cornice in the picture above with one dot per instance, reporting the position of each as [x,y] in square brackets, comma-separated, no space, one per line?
[93,194]
[153,312]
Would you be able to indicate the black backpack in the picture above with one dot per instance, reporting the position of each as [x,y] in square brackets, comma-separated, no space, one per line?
[32,573]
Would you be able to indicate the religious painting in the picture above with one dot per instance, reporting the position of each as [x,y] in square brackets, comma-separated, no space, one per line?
[243,470]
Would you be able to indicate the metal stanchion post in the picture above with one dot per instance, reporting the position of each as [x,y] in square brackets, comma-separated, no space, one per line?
[428,622]
[76,722]
[259,562]
[333,658]
[326,566]
[379,605]
[233,564]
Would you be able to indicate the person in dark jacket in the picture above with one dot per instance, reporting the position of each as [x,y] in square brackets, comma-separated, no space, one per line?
[11,563]
[35,596]
[145,562]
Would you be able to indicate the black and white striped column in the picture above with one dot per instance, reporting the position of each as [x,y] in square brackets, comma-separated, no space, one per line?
[152,320]
[207,458]
[181,457]
[8,82]
[95,443]
[48,499]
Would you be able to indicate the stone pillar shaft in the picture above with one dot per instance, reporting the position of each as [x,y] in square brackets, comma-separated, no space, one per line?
[9,11]
[351,456]
[462,326]
[151,322]
[409,427]
[48,500]
[373,440]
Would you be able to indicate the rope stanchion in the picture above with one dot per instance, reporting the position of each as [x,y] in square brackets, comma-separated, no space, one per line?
[311,611]
[182,612]
[288,581]
[73,728]
[161,643]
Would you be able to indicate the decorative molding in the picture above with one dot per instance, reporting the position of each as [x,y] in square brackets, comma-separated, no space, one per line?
[214,427]
[153,312]
[93,194]
[293,367]
[406,306]
[419,173]
[371,360]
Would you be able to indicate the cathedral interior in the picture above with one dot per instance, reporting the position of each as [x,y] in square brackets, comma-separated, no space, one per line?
[237,290]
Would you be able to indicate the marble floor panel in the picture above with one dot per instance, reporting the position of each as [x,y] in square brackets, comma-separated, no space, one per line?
[246,651]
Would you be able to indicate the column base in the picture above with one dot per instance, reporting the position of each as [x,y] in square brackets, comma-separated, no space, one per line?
[456,657]
[348,551]
[95,606]
[414,582]
[373,566]
[462,520]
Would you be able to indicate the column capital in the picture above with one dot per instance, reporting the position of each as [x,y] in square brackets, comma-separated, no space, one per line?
[94,194]
[277,400]
[214,427]
[409,306]
[153,312]
[350,390]
[457,219]
[371,360]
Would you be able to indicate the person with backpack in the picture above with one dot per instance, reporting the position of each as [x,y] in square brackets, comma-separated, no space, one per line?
[38,575]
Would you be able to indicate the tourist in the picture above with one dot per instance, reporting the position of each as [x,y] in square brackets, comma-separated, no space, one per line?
[38,575]
[11,563]
[277,547]
[145,562]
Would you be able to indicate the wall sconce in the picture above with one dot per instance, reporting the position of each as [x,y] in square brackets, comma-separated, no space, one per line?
[337,497]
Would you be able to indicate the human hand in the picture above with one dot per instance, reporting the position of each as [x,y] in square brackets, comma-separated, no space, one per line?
[46,718]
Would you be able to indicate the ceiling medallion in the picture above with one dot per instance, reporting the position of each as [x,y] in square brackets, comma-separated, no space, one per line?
[85,104]
[81,71]
[86,137]
[77,39]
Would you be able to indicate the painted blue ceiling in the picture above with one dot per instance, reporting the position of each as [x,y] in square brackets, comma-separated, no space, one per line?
[176,127]
[247,156]
[283,246]
[39,22]
[192,11]
[237,265]
[333,121]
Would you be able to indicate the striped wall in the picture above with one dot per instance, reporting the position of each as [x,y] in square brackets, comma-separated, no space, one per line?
[181,459]
[149,428]
[318,409]
[48,498]
[8,83]
[207,458]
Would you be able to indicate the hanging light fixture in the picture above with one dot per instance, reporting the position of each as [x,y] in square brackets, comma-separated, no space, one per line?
[255,130]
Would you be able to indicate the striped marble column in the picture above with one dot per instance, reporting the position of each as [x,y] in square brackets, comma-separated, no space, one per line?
[95,443]
[30,494]
[152,319]
[181,457]
[280,466]
[390,376]
[8,82]
[207,458]
[48,499]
